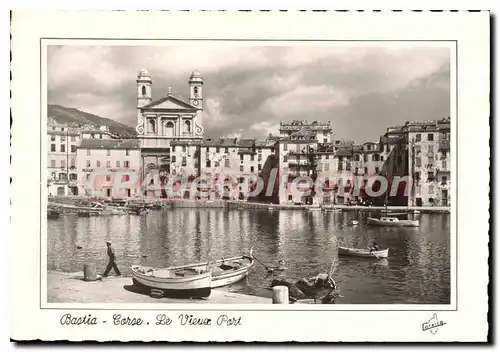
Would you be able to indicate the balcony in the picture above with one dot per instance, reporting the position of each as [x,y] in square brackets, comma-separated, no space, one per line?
[444,145]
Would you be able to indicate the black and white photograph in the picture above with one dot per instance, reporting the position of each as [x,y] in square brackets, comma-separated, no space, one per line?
[194,178]
[223,172]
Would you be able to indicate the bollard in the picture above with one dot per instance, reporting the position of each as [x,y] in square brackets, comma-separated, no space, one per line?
[89,272]
[280,295]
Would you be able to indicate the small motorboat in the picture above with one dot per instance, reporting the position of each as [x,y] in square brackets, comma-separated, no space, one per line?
[392,221]
[365,253]
[179,282]
[314,208]
[354,222]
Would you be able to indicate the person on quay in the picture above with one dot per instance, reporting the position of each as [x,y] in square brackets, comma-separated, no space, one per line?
[375,247]
[112,260]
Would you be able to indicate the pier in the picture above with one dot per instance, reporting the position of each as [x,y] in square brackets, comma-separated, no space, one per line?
[71,288]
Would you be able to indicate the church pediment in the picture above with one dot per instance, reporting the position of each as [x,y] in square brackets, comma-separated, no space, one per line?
[169,103]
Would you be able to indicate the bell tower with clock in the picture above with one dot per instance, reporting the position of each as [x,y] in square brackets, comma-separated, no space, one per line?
[196,99]
[196,90]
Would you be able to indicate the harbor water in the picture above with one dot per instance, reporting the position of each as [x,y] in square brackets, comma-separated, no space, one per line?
[417,270]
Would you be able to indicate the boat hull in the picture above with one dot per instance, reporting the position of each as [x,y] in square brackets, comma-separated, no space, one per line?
[182,287]
[224,277]
[399,223]
[363,253]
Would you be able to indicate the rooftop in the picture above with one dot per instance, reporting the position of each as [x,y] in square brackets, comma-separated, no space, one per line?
[109,144]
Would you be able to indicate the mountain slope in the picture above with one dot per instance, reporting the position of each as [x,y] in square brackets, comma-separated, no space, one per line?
[70,115]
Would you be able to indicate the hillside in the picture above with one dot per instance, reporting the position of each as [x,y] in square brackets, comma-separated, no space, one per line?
[70,115]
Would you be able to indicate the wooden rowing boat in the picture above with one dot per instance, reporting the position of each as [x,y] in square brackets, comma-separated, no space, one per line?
[225,271]
[365,253]
[392,221]
[174,282]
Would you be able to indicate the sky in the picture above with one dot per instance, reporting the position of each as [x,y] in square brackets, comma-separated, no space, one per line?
[362,88]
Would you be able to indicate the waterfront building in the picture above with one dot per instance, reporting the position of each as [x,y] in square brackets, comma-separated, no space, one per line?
[106,166]
[166,122]
[62,141]
[96,132]
[429,162]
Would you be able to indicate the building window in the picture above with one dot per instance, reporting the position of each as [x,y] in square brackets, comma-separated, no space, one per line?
[183,148]
[208,163]
[173,149]
[73,138]
[366,171]
[88,163]
[348,166]
[327,167]
[73,148]
[88,151]
[127,152]
[376,157]
[430,148]
[365,158]
[62,129]
[418,137]
[174,159]
[92,136]
[241,168]
[430,137]
[444,179]
[252,169]
[73,177]
[118,163]
[108,164]
[444,164]
[143,88]
[217,150]
[125,178]
[152,126]
[216,164]
[53,163]
[63,148]
[98,163]
[52,147]
[73,162]
[285,158]
[226,163]
[184,162]
[108,152]
[187,127]
[416,175]
[52,138]
[430,176]
[63,163]
[63,138]
[377,170]
[259,167]
[417,150]
[108,178]
[126,164]
[259,157]
[100,136]
[241,157]
[208,149]
[252,157]
[226,150]
[381,158]
[285,146]
[418,162]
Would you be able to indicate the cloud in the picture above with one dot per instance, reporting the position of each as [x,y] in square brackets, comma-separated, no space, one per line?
[249,88]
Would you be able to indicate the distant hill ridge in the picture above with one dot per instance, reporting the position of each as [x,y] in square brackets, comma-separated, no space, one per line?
[63,114]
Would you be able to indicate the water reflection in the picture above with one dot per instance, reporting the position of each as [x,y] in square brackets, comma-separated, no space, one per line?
[417,270]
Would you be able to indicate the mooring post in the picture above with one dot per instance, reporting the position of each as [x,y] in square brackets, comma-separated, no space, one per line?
[89,272]
[280,295]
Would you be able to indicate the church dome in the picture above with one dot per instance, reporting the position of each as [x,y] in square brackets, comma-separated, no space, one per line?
[196,74]
[144,72]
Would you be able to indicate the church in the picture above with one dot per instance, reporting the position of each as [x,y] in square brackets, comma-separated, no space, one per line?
[170,129]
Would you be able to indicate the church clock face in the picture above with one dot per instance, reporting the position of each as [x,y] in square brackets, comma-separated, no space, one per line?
[195,102]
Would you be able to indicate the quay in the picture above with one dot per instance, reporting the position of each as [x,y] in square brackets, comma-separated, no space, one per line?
[69,203]
[71,288]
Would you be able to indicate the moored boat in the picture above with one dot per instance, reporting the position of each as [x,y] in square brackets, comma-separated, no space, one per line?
[225,271]
[181,282]
[392,221]
[365,253]
[52,214]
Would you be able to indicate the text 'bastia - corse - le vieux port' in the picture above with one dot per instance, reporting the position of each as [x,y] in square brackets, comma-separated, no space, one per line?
[163,212]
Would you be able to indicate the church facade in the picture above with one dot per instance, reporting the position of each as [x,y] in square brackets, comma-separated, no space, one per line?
[170,129]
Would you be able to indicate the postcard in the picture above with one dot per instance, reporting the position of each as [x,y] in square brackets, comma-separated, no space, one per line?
[250,176]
